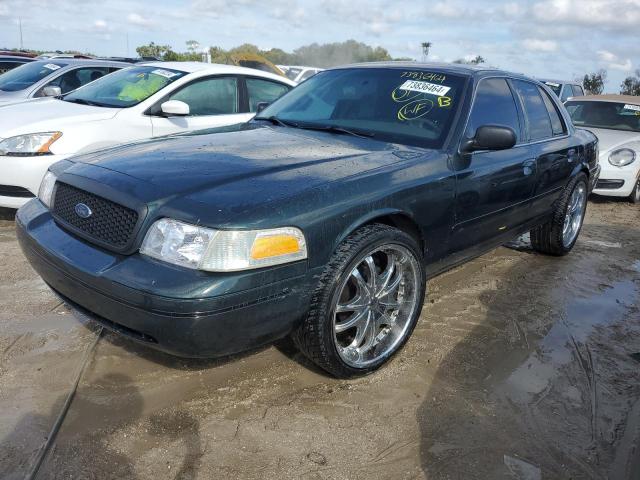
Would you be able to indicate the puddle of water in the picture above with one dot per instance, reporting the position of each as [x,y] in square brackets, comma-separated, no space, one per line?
[565,339]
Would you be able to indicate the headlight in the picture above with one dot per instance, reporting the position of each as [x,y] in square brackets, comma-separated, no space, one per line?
[622,157]
[202,248]
[46,189]
[30,145]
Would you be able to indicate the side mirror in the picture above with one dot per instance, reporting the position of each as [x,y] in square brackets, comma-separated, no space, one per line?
[175,108]
[261,106]
[490,137]
[51,91]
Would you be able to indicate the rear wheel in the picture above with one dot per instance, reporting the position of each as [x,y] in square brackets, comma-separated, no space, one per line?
[635,195]
[366,304]
[559,234]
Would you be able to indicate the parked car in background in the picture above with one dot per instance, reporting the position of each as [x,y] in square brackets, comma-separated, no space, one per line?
[142,101]
[50,78]
[52,55]
[11,61]
[324,216]
[564,90]
[299,74]
[615,120]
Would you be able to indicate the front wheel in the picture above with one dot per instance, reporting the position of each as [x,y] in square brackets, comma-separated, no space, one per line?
[558,235]
[635,194]
[367,302]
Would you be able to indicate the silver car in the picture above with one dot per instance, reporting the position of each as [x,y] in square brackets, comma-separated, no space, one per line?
[564,90]
[615,120]
[52,77]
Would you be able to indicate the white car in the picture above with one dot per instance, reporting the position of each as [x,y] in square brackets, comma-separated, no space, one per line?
[299,74]
[50,78]
[142,101]
[615,120]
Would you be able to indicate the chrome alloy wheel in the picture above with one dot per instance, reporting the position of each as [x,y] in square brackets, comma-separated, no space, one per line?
[375,305]
[575,214]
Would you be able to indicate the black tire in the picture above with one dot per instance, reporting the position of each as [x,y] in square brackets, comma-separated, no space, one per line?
[315,335]
[635,195]
[547,238]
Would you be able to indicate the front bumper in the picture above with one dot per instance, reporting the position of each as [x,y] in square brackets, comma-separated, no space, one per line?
[183,312]
[24,173]
[622,178]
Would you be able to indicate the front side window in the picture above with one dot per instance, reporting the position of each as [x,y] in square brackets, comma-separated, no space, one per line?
[76,78]
[567,92]
[407,106]
[609,115]
[125,88]
[26,75]
[535,110]
[264,91]
[210,96]
[554,86]
[557,125]
[493,105]
[577,91]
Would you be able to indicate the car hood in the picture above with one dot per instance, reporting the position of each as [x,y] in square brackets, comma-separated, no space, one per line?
[233,170]
[47,114]
[610,139]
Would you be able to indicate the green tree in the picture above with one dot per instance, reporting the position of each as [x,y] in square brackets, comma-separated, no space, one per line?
[474,61]
[594,82]
[631,85]
[153,50]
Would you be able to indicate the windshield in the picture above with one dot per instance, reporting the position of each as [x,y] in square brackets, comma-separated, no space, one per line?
[611,115]
[26,75]
[414,107]
[555,87]
[125,88]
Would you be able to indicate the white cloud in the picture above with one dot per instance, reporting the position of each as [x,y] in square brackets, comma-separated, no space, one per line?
[101,25]
[538,45]
[625,66]
[614,62]
[139,20]
[4,10]
[607,56]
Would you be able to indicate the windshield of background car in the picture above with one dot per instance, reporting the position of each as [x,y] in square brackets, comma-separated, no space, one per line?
[406,106]
[555,87]
[611,115]
[125,88]
[26,75]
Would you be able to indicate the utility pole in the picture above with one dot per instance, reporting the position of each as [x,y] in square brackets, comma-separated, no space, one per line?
[20,29]
[425,50]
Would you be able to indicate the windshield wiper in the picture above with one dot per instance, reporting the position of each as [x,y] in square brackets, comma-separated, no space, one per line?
[82,101]
[277,121]
[336,129]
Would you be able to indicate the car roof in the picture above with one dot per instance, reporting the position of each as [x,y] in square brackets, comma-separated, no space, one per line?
[610,98]
[83,61]
[215,68]
[459,68]
[561,82]
[17,58]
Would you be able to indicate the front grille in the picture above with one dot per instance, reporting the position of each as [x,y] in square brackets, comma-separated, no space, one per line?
[609,184]
[109,222]
[11,191]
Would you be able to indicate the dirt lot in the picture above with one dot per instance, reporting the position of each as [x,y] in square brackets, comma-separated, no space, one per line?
[522,366]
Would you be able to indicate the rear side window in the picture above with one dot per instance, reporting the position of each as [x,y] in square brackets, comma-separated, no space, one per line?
[535,110]
[76,78]
[260,91]
[493,105]
[578,91]
[557,125]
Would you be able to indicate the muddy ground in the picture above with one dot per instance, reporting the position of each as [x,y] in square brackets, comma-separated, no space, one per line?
[522,366]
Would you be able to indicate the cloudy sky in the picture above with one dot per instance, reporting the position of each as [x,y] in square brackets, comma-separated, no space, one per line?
[551,38]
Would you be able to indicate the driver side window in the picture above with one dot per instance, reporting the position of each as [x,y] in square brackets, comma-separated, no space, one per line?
[210,96]
[494,105]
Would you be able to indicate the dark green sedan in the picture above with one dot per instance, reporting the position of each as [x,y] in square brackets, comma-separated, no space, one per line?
[321,218]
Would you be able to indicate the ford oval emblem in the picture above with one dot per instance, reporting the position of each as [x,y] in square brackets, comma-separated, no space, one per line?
[83,211]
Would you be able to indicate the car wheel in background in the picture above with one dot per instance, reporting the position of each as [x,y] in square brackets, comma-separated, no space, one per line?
[635,194]
[559,234]
[366,304]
